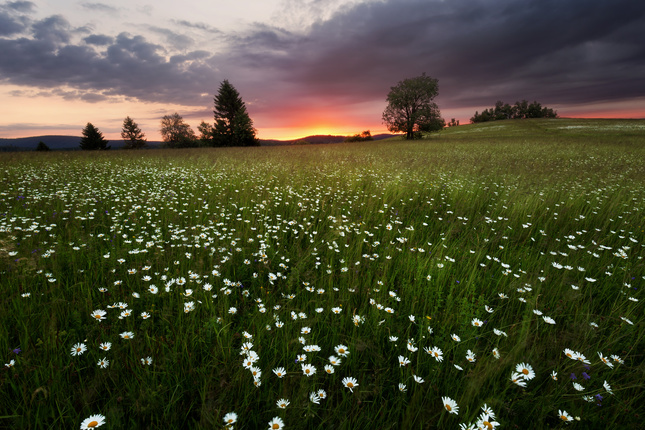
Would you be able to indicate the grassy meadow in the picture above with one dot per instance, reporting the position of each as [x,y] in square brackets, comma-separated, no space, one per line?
[489,276]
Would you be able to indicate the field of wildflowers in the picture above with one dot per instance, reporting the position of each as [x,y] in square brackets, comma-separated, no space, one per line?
[487,277]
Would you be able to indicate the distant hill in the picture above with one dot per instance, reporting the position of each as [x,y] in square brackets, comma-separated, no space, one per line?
[67,143]
[55,143]
[318,139]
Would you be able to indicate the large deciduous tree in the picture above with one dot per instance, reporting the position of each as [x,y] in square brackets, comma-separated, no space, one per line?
[132,135]
[176,133]
[93,138]
[410,107]
[233,126]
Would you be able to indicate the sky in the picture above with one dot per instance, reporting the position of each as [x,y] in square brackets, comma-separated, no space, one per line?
[310,66]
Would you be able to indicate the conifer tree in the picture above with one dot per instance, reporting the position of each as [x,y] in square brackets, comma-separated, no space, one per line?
[132,135]
[93,138]
[233,126]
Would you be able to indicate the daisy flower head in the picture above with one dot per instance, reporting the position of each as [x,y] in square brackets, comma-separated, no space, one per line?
[488,411]
[470,356]
[564,416]
[496,353]
[105,346]
[308,369]
[78,349]
[486,421]
[147,361]
[98,314]
[314,398]
[279,372]
[455,337]
[418,379]
[436,353]
[341,350]
[607,387]
[525,370]
[103,363]
[554,375]
[10,364]
[276,423]
[127,335]
[93,421]
[477,322]
[548,320]
[605,360]
[518,379]
[334,360]
[578,386]
[329,369]
[282,403]
[403,361]
[350,383]
[450,405]
[403,388]
[230,418]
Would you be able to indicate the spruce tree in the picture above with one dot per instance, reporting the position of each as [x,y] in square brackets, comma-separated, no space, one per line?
[233,126]
[132,135]
[93,138]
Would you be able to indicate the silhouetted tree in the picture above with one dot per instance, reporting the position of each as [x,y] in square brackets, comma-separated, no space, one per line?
[233,126]
[93,138]
[362,137]
[132,135]
[205,134]
[42,146]
[520,110]
[176,133]
[410,107]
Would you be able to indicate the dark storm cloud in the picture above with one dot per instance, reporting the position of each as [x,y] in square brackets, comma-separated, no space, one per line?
[553,51]
[561,51]
[98,40]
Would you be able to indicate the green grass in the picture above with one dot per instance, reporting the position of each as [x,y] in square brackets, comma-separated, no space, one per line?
[548,213]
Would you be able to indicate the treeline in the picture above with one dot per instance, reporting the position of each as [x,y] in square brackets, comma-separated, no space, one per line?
[232,126]
[519,110]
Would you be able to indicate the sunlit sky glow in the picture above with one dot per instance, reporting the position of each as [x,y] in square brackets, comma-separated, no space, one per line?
[310,66]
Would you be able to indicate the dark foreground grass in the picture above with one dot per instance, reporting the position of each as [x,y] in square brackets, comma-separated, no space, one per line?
[442,266]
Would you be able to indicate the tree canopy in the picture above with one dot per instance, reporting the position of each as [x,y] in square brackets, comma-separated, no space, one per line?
[93,138]
[233,126]
[410,107]
[520,110]
[176,133]
[132,135]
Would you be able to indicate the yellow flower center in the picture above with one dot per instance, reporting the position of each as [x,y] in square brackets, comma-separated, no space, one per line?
[275,426]
[488,425]
[341,351]
[448,408]
[564,418]
[350,385]
[93,424]
[306,370]
[525,371]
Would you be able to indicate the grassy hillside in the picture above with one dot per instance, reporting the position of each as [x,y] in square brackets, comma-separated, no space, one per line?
[491,273]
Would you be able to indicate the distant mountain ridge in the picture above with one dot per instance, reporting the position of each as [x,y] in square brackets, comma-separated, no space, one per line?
[67,143]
